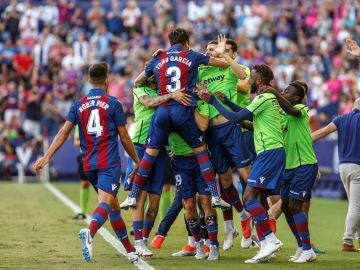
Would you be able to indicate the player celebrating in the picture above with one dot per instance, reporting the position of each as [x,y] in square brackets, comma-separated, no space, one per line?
[269,163]
[189,181]
[223,137]
[101,120]
[176,69]
[301,168]
[145,101]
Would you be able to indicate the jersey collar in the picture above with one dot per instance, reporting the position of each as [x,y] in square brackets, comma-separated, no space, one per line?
[176,47]
[97,91]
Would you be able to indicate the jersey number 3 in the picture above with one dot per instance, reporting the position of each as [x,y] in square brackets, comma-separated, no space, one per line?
[93,125]
[173,73]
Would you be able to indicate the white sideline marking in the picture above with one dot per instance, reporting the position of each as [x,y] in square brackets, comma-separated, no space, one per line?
[141,264]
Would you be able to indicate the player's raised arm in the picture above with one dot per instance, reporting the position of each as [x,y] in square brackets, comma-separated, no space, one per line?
[58,141]
[323,132]
[221,52]
[284,104]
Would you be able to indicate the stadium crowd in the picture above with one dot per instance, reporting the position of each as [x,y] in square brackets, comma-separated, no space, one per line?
[45,51]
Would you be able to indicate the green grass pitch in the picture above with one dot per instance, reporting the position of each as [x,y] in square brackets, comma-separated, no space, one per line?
[37,232]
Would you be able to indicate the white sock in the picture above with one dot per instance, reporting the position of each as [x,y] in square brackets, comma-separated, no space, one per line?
[191,241]
[228,225]
[244,215]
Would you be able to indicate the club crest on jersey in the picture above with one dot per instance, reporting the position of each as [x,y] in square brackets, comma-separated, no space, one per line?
[262,179]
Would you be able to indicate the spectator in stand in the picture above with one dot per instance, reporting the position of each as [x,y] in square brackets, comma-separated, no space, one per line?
[33,114]
[81,47]
[50,116]
[23,64]
[72,61]
[11,102]
[95,15]
[12,19]
[131,16]
[114,19]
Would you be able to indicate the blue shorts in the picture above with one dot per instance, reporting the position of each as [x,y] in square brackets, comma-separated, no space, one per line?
[107,180]
[175,118]
[158,174]
[297,183]
[248,144]
[267,170]
[225,145]
[188,177]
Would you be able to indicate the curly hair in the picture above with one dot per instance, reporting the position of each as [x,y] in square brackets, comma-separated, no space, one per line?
[265,73]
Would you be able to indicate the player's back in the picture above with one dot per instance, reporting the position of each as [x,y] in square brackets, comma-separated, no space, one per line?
[175,69]
[98,116]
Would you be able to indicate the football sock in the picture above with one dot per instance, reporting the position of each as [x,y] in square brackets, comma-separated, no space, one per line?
[259,216]
[292,226]
[84,199]
[147,227]
[212,228]
[138,228]
[99,217]
[119,227]
[194,227]
[142,175]
[302,228]
[207,172]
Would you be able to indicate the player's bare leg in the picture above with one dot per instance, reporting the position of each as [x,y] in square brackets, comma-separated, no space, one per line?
[138,225]
[211,225]
[192,219]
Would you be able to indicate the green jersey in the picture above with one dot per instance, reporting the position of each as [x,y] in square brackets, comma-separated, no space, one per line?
[267,122]
[143,115]
[244,99]
[219,80]
[76,132]
[177,144]
[297,139]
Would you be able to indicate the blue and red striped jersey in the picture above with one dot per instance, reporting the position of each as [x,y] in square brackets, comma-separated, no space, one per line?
[98,116]
[175,69]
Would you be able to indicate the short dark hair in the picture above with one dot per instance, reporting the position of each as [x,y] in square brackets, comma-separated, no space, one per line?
[265,73]
[300,89]
[98,73]
[179,36]
[303,84]
[233,44]
[215,42]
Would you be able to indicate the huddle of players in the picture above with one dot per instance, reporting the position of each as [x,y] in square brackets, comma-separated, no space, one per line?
[273,130]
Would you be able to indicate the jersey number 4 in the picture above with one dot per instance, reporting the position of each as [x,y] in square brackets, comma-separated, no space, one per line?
[93,125]
[173,73]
